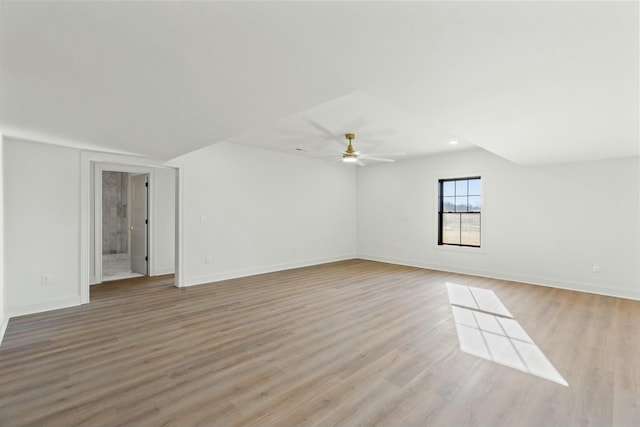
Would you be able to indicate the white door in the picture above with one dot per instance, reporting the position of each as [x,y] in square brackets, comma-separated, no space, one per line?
[139,224]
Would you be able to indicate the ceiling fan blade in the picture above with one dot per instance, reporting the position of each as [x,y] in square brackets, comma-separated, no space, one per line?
[378,159]
[357,123]
[362,128]
[296,133]
[326,132]
[385,154]
[309,140]
[320,155]
[375,133]
[360,163]
[315,154]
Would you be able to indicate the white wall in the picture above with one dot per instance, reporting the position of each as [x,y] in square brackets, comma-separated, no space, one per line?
[3,302]
[42,214]
[269,211]
[163,221]
[264,211]
[545,225]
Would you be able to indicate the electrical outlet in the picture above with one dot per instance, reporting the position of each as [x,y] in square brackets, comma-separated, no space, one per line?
[45,280]
[207,260]
[595,268]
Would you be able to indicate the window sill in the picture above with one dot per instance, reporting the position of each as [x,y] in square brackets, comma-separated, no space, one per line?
[463,249]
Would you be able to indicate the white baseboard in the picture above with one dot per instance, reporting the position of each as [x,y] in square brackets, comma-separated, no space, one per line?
[162,271]
[217,277]
[43,305]
[540,281]
[3,328]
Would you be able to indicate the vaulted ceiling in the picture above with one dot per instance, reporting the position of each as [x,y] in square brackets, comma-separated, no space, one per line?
[533,82]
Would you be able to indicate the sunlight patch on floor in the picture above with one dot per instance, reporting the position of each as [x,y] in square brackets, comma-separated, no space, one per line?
[486,329]
[476,299]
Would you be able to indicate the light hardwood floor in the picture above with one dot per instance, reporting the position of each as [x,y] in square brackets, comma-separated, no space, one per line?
[348,343]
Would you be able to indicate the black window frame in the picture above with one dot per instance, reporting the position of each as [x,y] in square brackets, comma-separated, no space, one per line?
[441,210]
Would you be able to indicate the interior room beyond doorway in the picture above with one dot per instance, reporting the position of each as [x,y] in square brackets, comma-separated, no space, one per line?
[124,197]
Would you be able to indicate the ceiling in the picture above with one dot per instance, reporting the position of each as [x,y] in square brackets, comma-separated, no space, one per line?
[533,82]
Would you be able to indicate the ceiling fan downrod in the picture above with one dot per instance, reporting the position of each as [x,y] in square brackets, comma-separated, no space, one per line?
[350,155]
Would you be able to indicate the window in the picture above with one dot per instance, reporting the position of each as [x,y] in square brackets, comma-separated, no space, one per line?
[459,210]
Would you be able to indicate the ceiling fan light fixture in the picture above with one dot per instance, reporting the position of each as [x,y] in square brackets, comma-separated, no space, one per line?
[350,155]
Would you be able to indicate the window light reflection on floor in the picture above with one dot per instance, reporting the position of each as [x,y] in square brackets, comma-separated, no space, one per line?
[486,329]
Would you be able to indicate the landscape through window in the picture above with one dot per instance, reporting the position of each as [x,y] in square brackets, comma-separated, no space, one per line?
[459,210]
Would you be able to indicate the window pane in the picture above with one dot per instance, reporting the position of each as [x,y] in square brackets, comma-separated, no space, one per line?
[461,188]
[461,204]
[470,229]
[449,204]
[451,229]
[448,188]
[475,203]
[475,188]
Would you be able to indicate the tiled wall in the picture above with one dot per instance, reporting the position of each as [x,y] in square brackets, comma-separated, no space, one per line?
[115,224]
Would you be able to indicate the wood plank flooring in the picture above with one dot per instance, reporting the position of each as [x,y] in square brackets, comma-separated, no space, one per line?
[353,343]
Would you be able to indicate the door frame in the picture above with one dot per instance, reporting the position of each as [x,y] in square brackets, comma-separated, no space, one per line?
[148,222]
[97,222]
[90,161]
[97,216]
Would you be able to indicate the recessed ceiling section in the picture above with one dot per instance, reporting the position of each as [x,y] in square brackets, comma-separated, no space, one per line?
[379,127]
[533,82]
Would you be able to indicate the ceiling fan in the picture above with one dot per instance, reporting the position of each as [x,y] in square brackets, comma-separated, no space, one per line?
[350,155]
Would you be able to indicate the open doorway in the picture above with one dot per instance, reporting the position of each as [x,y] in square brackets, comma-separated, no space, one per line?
[164,239]
[132,222]
[125,225]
